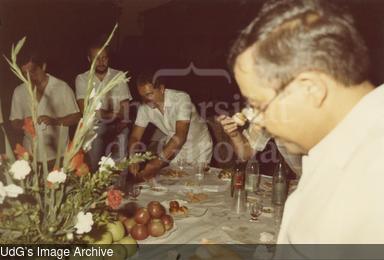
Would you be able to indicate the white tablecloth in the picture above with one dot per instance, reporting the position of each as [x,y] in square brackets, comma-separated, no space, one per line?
[219,224]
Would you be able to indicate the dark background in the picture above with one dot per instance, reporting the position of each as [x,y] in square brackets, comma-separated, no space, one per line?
[152,34]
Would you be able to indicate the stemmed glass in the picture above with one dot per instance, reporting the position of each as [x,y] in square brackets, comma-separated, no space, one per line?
[255,210]
[134,192]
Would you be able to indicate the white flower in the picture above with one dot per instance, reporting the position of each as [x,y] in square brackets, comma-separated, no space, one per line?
[56,177]
[98,105]
[90,137]
[84,222]
[3,193]
[13,190]
[20,169]
[106,163]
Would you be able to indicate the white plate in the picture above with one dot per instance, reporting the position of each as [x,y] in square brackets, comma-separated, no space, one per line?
[158,190]
[192,211]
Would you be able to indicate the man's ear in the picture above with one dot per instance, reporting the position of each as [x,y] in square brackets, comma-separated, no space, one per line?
[315,86]
[44,67]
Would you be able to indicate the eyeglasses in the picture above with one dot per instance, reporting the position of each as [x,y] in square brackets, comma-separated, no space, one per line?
[279,94]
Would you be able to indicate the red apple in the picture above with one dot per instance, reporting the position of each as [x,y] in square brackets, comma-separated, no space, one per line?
[155,209]
[168,222]
[142,216]
[156,227]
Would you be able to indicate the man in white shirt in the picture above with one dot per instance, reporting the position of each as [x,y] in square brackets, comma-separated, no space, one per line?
[56,105]
[303,64]
[175,115]
[114,113]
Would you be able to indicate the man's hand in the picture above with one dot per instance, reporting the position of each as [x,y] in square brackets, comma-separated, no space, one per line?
[150,169]
[47,120]
[229,126]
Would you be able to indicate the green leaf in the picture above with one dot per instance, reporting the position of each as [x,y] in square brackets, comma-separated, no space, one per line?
[8,148]
[19,45]
[59,147]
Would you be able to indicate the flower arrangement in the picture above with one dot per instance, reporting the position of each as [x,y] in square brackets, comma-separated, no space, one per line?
[58,206]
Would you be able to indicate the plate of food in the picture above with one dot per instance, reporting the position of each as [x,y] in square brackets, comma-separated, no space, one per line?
[225,175]
[174,173]
[179,209]
[196,197]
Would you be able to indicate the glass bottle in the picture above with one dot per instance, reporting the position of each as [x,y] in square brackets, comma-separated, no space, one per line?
[280,184]
[252,176]
[239,201]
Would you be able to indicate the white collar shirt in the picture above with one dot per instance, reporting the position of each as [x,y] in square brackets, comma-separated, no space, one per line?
[57,101]
[179,107]
[339,199]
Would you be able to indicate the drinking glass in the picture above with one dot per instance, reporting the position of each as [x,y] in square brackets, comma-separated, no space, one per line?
[255,210]
[134,192]
[181,163]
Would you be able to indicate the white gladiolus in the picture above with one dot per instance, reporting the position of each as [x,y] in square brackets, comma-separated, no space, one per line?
[105,163]
[56,177]
[84,223]
[13,190]
[20,169]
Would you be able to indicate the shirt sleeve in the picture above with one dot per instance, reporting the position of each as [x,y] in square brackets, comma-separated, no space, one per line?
[184,108]
[142,118]
[122,92]
[68,104]
[16,108]
[81,87]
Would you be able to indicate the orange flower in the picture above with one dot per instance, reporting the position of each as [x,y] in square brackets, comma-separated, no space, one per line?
[20,151]
[77,160]
[114,198]
[82,170]
[28,127]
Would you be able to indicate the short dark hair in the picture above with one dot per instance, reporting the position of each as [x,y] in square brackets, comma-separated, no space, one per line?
[148,77]
[31,53]
[97,43]
[297,35]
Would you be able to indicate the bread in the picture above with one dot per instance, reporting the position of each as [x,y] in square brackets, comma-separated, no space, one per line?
[178,211]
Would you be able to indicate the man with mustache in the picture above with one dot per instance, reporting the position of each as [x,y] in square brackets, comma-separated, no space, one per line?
[112,117]
[175,115]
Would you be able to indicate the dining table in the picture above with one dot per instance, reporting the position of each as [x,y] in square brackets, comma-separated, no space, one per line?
[210,220]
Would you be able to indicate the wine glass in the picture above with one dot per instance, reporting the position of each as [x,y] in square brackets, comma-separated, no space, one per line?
[181,164]
[255,210]
[134,192]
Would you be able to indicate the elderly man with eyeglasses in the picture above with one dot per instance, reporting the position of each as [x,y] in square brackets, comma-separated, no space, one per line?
[303,65]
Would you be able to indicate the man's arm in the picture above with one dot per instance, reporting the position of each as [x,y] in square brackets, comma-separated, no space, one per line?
[240,143]
[134,139]
[68,120]
[80,103]
[177,141]
[169,151]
